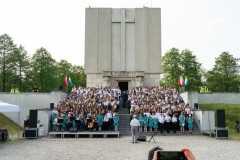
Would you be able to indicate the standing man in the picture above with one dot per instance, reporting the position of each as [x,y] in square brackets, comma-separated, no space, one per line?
[168,122]
[125,98]
[161,120]
[134,128]
[174,122]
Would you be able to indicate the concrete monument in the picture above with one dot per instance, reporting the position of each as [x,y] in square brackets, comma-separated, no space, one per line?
[123,47]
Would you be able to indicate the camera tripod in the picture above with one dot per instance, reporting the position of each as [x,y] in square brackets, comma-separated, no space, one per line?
[152,137]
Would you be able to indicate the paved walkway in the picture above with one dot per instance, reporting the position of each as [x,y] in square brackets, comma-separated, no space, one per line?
[204,148]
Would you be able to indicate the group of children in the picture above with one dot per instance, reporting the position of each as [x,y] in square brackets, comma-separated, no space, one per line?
[165,121]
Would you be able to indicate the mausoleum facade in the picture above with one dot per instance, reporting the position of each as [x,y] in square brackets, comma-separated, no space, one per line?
[122,47]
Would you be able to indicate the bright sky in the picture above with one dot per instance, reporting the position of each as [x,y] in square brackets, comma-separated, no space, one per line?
[206,27]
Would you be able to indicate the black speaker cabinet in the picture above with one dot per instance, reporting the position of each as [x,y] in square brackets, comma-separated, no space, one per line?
[221,118]
[33,118]
[142,138]
[3,134]
[31,133]
[221,133]
[51,106]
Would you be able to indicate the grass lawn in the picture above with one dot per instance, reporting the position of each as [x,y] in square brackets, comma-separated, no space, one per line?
[232,112]
[10,125]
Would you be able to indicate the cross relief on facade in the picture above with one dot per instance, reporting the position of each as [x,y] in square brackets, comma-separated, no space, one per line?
[123,20]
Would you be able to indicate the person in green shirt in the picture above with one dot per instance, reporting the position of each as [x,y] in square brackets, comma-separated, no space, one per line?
[115,121]
[145,121]
[100,121]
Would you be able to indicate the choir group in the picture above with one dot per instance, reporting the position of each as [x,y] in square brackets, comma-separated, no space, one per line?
[160,108]
[88,109]
[96,109]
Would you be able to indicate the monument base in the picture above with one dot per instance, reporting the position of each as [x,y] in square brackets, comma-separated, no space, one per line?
[116,79]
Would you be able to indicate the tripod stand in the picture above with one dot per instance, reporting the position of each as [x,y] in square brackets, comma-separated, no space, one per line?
[152,137]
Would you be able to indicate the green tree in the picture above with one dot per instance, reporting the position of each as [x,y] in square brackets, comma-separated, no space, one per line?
[176,64]
[63,68]
[79,76]
[21,60]
[7,48]
[76,73]
[224,77]
[171,67]
[191,69]
[44,71]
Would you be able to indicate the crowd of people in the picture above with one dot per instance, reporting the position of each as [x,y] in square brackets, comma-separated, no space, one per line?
[95,109]
[92,109]
[159,108]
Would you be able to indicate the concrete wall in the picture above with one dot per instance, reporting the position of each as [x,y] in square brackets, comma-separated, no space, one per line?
[214,98]
[28,101]
[228,98]
[190,98]
[184,96]
[205,120]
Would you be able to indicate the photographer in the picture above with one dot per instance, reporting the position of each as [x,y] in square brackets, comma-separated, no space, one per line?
[153,154]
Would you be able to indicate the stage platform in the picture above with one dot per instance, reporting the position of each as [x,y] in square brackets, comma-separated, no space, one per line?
[103,134]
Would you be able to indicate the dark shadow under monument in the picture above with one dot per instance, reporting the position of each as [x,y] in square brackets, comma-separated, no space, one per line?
[123,86]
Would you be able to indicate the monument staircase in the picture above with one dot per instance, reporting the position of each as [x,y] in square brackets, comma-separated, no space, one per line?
[124,120]
[125,128]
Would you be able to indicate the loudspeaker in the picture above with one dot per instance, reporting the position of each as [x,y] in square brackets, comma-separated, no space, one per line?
[195,105]
[33,118]
[31,133]
[51,106]
[60,87]
[3,134]
[221,118]
[142,138]
[73,129]
[221,133]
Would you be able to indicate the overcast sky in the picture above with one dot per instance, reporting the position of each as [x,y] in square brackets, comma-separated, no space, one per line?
[206,27]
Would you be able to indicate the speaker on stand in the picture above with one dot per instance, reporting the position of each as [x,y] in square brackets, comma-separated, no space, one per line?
[33,118]
[221,118]
[221,131]
[32,131]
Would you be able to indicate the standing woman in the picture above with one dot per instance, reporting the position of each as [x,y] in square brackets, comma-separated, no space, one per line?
[155,122]
[145,121]
[115,121]
[100,121]
[190,125]
[140,119]
[182,122]
[25,124]
[150,124]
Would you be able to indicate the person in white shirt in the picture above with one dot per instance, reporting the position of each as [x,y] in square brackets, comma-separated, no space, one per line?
[40,129]
[110,122]
[134,128]
[161,121]
[174,122]
[168,122]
